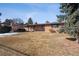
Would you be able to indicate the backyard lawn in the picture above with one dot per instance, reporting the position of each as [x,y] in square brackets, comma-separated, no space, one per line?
[38,44]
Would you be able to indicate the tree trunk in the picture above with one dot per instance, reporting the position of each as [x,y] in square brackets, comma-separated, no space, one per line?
[77,37]
[78,40]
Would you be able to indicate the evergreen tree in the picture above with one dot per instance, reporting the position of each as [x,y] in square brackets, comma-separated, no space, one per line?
[71,12]
[30,21]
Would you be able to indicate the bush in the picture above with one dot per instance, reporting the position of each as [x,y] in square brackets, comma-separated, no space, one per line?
[52,31]
[20,30]
[5,29]
[61,30]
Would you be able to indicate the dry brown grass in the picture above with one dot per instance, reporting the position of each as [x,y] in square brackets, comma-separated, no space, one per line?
[39,43]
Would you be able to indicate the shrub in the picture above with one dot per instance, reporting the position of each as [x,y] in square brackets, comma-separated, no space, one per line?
[20,30]
[5,29]
[52,31]
[61,30]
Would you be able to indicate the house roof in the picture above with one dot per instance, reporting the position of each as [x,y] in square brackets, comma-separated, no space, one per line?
[42,24]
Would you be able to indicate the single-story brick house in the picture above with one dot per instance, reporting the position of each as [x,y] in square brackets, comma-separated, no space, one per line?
[35,27]
[44,27]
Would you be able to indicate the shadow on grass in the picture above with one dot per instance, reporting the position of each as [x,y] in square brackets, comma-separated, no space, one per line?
[71,39]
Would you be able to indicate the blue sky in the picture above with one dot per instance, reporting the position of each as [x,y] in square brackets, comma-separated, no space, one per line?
[38,12]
